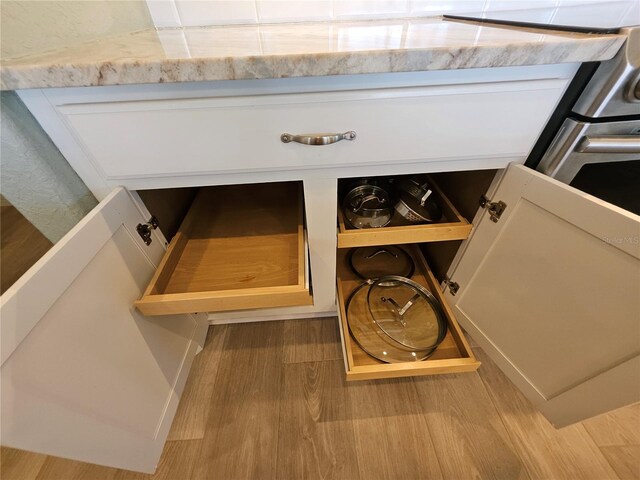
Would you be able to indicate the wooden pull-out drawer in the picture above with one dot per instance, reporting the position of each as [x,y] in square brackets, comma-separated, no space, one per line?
[239,247]
[452,356]
[453,226]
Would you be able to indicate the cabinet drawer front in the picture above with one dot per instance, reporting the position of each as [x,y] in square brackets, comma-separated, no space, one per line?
[454,355]
[133,139]
[239,247]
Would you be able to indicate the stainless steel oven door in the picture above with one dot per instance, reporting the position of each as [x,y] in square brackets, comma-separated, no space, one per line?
[579,143]
[614,89]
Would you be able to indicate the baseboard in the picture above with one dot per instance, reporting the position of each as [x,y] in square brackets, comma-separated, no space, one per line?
[217,320]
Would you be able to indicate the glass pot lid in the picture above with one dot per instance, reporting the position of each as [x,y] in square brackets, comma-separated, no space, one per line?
[375,262]
[407,312]
[370,338]
[367,206]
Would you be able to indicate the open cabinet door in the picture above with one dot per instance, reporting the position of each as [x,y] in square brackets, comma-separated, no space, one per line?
[84,375]
[551,291]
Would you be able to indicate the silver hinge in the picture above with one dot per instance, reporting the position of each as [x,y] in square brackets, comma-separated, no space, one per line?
[453,286]
[496,209]
[144,229]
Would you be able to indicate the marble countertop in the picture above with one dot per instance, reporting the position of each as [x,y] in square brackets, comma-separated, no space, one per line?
[296,50]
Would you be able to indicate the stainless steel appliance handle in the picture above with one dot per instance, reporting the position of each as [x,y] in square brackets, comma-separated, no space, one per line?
[609,144]
[317,138]
[632,93]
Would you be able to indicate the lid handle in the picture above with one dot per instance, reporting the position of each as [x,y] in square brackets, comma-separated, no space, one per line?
[357,205]
[401,311]
[379,251]
[425,196]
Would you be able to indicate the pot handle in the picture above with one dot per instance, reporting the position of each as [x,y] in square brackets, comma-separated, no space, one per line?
[317,138]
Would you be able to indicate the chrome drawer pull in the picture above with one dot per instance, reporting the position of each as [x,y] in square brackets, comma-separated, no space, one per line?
[317,138]
[610,144]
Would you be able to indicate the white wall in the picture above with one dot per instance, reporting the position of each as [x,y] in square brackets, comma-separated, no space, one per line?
[177,13]
[34,176]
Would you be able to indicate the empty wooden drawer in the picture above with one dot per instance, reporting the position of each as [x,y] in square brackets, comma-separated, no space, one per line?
[453,226]
[239,247]
[453,355]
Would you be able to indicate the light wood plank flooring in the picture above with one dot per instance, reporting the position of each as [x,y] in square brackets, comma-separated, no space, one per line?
[269,401]
[21,245]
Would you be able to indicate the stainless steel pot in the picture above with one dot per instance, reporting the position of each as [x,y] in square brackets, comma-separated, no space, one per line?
[416,201]
[367,206]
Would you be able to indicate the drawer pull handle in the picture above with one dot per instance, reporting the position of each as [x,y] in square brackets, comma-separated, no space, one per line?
[317,138]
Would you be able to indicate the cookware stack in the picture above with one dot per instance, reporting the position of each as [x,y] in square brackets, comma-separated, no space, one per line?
[375,203]
[391,317]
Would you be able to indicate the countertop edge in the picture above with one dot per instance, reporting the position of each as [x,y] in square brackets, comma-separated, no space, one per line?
[130,71]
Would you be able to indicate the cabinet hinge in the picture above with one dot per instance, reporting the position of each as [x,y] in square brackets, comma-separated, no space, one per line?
[144,229]
[453,286]
[496,209]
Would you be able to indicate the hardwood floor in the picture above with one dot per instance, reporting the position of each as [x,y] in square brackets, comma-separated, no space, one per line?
[269,401]
[21,245]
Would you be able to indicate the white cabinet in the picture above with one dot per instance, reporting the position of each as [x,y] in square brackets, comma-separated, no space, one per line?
[550,290]
[174,135]
[85,375]
[129,139]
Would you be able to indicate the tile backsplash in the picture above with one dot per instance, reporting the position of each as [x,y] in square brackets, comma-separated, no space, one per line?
[190,13]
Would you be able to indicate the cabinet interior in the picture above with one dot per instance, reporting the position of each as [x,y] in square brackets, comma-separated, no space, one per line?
[463,189]
[458,194]
[236,246]
[452,225]
[169,206]
[239,247]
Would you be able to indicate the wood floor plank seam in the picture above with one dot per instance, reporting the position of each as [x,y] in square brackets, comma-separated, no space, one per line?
[620,427]
[440,467]
[186,424]
[282,380]
[244,407]
[316,438]
[564,450]
[625,464]
[599,449]
[486,451]
[505,425]
[608,461]
[510,433]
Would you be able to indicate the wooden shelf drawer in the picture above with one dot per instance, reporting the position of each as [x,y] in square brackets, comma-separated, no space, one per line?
[239,247]
[454,355]
[453,227]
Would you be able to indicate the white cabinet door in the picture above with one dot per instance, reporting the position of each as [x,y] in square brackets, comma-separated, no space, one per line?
[552,293]
[84,375]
